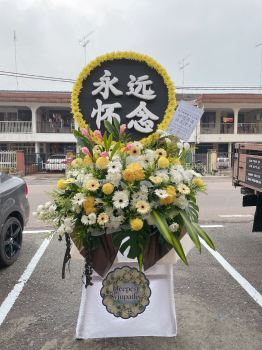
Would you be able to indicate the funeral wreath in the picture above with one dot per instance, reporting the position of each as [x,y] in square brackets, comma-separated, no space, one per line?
[127,197]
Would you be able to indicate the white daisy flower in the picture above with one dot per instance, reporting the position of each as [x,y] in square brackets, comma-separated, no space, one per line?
[85,220]
[174,227]
[184,189]
[114,167]
[163,174]
[120,199]
[78,199]
[161,193]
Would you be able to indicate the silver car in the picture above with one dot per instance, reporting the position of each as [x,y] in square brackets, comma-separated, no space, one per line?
[14,214]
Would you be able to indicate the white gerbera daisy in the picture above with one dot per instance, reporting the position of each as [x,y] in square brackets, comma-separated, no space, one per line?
[184,189]
[78,199]
[92,218]
[143,207]
[102,219]
[114,167]
[85,220]
[120,199]
[161,193]
[181,202]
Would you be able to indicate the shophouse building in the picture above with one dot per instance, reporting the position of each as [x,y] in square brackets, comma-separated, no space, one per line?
[41,122]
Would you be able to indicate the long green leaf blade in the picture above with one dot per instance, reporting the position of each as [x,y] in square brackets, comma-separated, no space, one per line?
[172,240]
[204,235]
[190,230]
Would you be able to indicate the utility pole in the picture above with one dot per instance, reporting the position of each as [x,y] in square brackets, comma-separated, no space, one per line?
[260,75]
[84,41]
[15,39]
[182,65]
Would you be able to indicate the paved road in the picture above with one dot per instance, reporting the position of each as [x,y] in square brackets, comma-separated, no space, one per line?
[213,310]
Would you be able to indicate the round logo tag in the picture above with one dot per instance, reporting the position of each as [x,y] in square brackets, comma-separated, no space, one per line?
[125,292]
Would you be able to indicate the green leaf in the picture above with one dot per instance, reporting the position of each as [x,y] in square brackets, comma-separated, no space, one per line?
[111,129]
[190,230]
[116,124]
[115,148]
[124,246]
[204,235]
[171,239]
[118,237]
[82,140]
[105,141]
[109,142]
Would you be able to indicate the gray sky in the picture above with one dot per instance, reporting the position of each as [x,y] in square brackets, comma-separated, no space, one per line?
[219,36]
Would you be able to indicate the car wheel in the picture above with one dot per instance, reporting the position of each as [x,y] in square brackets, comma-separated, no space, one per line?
[10,241]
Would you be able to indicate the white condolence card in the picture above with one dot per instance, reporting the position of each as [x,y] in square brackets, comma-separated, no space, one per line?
[184,120]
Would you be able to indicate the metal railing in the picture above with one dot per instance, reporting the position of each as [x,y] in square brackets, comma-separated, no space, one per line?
[15,127]
[7,159]
[54,127]
[249,128]
[211,128]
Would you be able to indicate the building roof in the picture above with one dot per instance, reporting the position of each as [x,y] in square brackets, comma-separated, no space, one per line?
[35,96]
[230,98]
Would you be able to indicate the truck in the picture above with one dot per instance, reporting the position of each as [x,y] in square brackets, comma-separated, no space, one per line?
[247,173]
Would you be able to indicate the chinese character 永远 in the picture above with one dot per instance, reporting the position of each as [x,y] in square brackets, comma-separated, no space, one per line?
[146,122]
[140,87]
[105,112]
[105,85]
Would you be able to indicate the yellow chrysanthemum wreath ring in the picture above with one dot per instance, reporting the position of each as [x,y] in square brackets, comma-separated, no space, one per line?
[78,116]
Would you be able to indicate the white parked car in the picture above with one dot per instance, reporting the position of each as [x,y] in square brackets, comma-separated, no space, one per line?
[56,162]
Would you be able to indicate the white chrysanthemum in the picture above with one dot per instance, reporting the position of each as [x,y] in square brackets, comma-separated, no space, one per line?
[174,227]
[187,175]
[163,174]
[114,178]
[69,224]
[161,193]
[92,218]
[181,202]
[175,176]
[52,208]
[120,199]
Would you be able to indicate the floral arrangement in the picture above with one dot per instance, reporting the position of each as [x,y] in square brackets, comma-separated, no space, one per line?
[127,191]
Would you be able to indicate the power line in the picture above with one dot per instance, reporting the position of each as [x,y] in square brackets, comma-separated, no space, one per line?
[68,80]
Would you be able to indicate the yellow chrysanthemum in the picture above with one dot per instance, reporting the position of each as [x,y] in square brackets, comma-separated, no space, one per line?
[107,188]
[62,184]
[160,152]
[87,161]
[133,172]
[136,224]
[101,163]
[171,190]
[163,162]
[92,185]
[198,182]
[76,162]
[89,205]
[175,161]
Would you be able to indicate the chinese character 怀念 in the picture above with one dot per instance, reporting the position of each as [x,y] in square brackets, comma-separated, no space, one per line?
[146,122]
[140,87]
[105,85]
[105,112]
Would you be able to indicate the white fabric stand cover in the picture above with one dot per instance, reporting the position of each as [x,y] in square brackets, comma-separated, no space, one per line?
[159,317]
